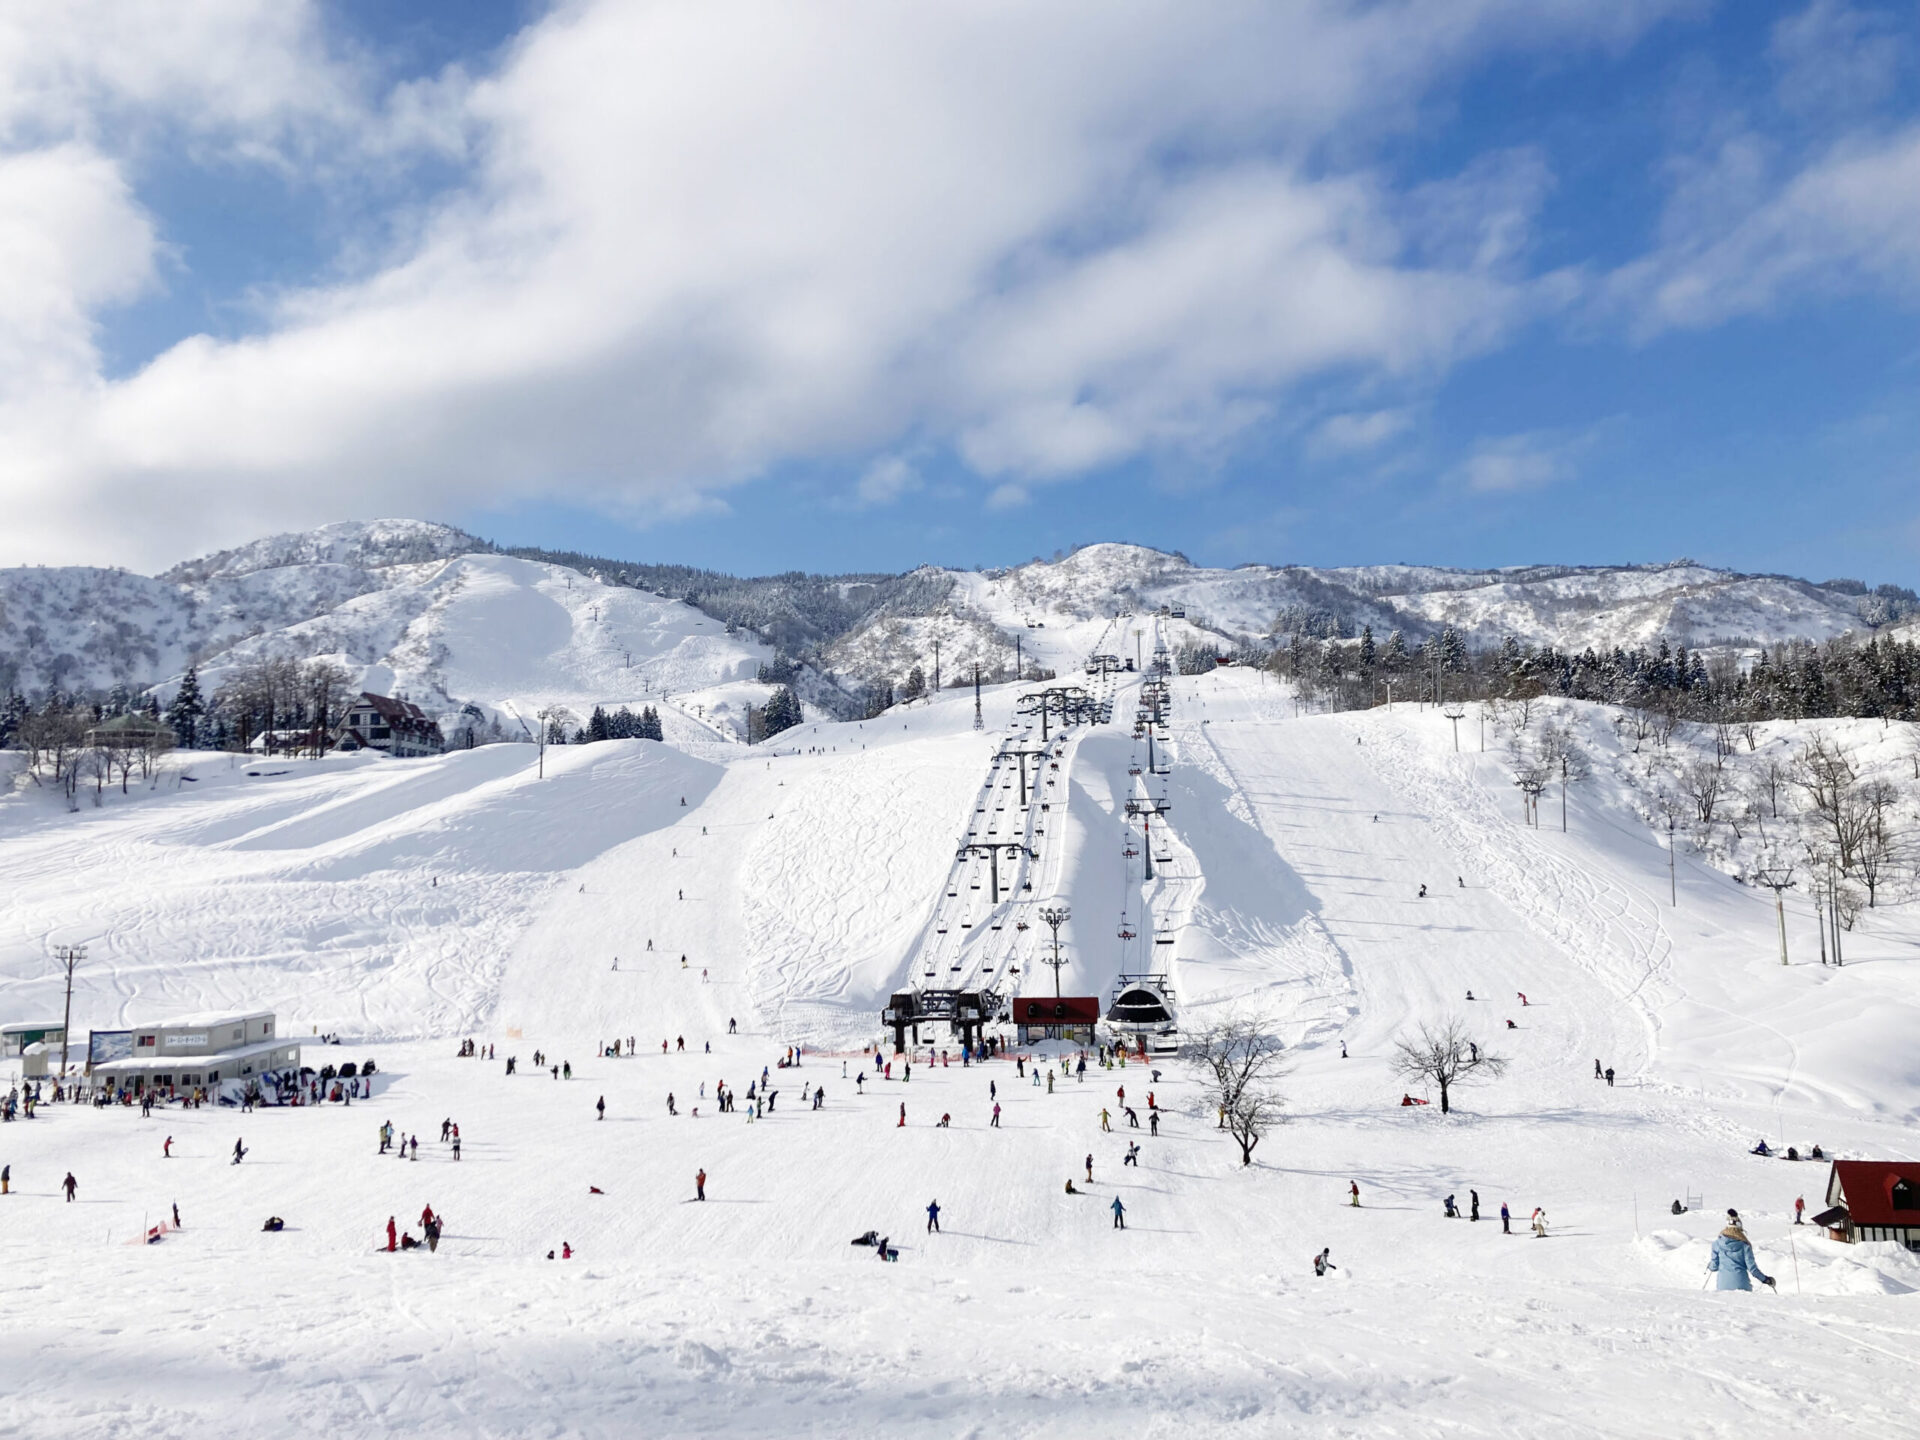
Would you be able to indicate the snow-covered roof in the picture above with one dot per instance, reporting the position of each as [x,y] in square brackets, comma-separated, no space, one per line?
[149,1065]
[207,1020]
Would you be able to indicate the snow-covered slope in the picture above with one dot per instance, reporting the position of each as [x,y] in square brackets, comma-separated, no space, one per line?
[466,895]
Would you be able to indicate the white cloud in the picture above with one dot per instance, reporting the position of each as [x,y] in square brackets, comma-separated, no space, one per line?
[1530,460]
[1846,222]
[886,480]
[699,240]
[1350,434]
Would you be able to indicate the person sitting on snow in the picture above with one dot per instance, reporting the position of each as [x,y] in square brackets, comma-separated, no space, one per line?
[1761,1148]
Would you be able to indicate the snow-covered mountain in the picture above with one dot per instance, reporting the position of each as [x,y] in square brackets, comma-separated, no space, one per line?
[1056,609]
[403,606]
[429,609]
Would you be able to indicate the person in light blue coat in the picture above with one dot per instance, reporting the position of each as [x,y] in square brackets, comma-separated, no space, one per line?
[1732,1258]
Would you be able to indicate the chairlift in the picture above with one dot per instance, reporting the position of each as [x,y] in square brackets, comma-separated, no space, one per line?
[1126,934]
[941,931]
[1129,852]
[1020,925]
[1133,770]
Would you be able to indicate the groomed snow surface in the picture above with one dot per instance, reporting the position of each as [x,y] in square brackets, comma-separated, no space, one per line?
[410,904]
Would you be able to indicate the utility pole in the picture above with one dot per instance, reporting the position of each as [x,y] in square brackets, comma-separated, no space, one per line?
[936,667]
[1139,658]
[69,956]
[1019,659]
[978,723]
[1673,886]
[1054,917]
[1777,878]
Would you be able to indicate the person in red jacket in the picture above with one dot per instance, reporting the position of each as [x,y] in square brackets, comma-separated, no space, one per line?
[393,1235]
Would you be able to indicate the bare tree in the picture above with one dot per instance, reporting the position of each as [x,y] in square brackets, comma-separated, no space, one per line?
[1883,844]
[1239,1063]
[1444,1057]
[1701,781]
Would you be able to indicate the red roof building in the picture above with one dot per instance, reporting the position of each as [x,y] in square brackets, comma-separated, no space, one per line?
[1874,1200]
[1067,1017]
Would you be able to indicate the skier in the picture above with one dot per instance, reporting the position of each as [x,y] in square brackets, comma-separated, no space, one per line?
[1423,892]
[166,1150]
[1609,1077]
[700,1184]
[1323,1262]
[1343,1049]
[601,1106]
[1453,1212]
[1353,1187]
[995,1122]
[1506,1217]
[1799,1209]
[1089,1167]
[1153,1123]
[1523,996]
[933,1217]
[1119,1214]
[1473,1197]
[239,1152]
[903,1116]
[1463,881]
[69,1185]
[1732,1258]
[1598,1073]
[670,1109]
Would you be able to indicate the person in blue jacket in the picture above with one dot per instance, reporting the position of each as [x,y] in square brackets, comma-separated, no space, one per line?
[1732,1258]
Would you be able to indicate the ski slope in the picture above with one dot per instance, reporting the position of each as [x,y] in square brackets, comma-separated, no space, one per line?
[408,904]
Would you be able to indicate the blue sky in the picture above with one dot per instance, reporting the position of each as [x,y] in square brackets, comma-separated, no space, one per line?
[856,286]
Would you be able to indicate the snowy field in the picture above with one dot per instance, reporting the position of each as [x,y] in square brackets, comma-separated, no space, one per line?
[410,904]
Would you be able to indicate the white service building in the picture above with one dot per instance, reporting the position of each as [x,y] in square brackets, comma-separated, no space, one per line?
[201,1050]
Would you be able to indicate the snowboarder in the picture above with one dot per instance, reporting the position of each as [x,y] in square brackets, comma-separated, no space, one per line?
[1323,1262]
[239,1152]
[1523,996]
[1473,1198]
[1799,1209]
[1089,1167]
[903,1116]
[933,1217]
[1423,892]
[1133,1154]
[1762,1148]
[1598,1073]
[1539,1223]
[1453,1212]
[700,1184]
[1343,1049]
[393,1236]
[1119,1214]
[1609,1077]
[1506,1218]
[995,1122]
[1463,881]
[70,1185]
[600,1105]
[1353,1187]
[1153,1123]
[1732,1259]
[166,1150]
[1105,1122]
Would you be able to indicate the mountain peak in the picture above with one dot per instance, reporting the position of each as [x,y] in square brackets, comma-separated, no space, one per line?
[358,544]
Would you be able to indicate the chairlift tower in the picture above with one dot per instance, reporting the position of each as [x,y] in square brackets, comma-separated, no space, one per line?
[991,849]
[1146,810]
[1012,752]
